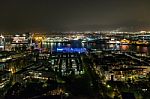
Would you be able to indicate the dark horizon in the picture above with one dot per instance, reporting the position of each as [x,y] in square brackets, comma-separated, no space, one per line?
[74,15]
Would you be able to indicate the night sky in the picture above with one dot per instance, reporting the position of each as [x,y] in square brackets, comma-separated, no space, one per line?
[66,15]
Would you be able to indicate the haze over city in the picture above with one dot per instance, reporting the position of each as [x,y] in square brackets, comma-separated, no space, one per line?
[74,15]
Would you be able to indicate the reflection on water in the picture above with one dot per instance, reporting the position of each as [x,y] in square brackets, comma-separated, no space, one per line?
[145,49]
[138,49]
[124,47]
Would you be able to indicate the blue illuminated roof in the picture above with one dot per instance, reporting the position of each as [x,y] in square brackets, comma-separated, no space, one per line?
[71,50]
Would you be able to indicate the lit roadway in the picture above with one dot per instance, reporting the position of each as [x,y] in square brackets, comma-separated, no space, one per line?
[96,75]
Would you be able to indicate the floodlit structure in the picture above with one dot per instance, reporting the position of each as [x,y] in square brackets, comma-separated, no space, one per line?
[2,42]
[72,50]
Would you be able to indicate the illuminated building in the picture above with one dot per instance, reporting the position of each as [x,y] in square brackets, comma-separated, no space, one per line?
[71,50]
[2,42]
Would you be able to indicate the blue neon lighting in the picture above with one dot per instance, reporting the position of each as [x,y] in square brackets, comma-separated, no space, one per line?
[71,50]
